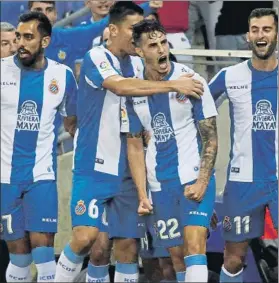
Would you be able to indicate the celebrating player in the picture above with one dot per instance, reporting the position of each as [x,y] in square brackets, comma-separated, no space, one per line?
[252,183]
[33,89]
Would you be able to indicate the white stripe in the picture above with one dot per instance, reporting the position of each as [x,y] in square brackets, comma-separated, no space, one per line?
[109,143]
[43,169]
[75,147]
[243,121]
[9,106]
[208,104]
[186,139]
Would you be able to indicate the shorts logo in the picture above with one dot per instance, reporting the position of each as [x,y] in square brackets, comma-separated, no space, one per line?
[80,208]
[162,130]
[62,55]
[28,118]
[227,225]
[264,119]
[53,87]
[235,169]
[181,98]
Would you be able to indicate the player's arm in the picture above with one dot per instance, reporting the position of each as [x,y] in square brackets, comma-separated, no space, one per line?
[68,106]
[81,36]
[138,170]
[217,87]
[100,73]
[209,137]
[137,87]
[205,113]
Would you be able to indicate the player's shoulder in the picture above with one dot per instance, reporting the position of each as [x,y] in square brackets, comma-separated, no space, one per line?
[181,69]
[52,64]
[8,62]
[236,70]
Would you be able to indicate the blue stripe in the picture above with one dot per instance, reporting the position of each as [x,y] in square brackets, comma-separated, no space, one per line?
[166,150]
[232,131]
[264,108]
[197,259]
[217,86]
[29,115]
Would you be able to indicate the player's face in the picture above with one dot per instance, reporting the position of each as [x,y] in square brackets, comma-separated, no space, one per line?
[46,8]
[100,8]
[30,43]
[124,32]
[8,43]
[262,37]
[154,50]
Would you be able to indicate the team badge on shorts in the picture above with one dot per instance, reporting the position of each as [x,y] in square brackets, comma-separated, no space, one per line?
[80,207]
[227,225]
[53,87]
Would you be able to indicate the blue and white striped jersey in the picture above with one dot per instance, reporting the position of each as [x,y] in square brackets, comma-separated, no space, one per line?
[253,99]
[99,147]
[29,101]
[173,153]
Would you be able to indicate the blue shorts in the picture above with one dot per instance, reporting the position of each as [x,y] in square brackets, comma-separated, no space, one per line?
[116,215]
[87,203]
[147,248]
[32,207]
[173,211]
[244,209]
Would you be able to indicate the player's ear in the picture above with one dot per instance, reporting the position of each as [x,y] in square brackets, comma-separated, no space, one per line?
[139,52]
[113,30]
[45,41]
[247,37]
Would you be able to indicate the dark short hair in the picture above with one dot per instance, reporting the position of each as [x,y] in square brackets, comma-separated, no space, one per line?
[146,26]
[44,26]
[262,12]
[30,3]
[121,9]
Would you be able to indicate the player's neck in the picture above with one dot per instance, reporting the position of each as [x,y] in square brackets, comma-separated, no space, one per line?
[153,75]
[113,48]
[265,65]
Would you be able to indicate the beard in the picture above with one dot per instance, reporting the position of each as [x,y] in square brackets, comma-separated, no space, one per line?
[32,58]
[263,55]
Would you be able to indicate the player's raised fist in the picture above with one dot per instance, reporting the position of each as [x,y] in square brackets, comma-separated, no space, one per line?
[156,4]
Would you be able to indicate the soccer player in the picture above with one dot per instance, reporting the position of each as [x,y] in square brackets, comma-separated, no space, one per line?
[179,172]
[8,40]
[252,183]
[33,89]
[100,149]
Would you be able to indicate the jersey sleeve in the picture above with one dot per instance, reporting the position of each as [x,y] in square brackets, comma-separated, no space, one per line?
[97,67]
[69,102]
[217,87]
[81,37]
[205,107]
[130,122]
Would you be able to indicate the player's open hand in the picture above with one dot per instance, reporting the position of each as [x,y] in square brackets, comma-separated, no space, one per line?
[145,207]
[156,4]
[189,86]
[195,192]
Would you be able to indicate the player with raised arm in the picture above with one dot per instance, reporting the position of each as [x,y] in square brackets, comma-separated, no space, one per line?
[100,150]
[252,182]
[33,89]
[180,156]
